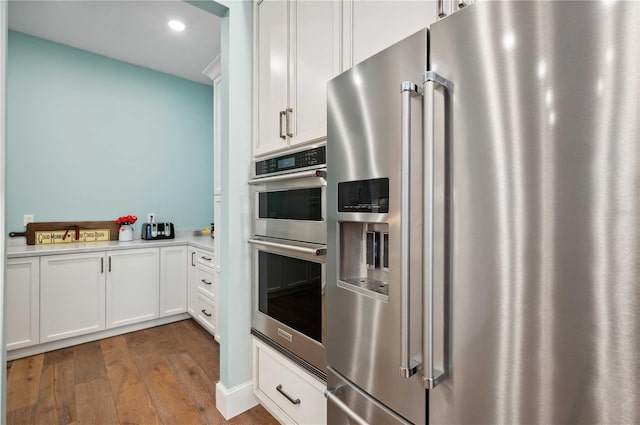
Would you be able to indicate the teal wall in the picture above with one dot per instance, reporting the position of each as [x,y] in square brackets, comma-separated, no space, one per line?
[237,36]
[92,138]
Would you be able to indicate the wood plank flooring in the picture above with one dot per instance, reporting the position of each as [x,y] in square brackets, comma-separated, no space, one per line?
[163,375]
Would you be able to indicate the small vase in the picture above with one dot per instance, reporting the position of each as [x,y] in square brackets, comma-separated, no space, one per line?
[126,233]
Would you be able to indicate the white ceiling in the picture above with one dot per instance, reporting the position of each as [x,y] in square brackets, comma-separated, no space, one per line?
[130,31]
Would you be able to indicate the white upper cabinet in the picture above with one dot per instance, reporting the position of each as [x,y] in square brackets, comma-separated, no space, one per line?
[217,135]
[271,51]
[315,59]
[371,26]
[297,51]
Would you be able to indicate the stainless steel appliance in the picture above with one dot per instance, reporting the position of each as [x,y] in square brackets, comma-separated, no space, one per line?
[290,196]
[289,255]
[154,231]
[483,224]
[289,298]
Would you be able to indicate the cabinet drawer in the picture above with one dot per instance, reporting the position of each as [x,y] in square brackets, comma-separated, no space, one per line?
[206,313]
[205,258]
[206,280]
[292,389]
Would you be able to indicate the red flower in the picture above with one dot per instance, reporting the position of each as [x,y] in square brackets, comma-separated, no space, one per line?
[127,219]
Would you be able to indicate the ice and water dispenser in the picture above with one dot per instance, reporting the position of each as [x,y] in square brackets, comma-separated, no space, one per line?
[364,254]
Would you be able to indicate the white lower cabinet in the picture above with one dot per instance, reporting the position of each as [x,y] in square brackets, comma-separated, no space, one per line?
[206,313]
[173,280]
[22,307]
[290,393]
[57,297]
[72,295]
[203,289]
[132,286]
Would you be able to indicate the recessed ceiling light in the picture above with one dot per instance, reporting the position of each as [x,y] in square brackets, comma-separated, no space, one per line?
[176,25]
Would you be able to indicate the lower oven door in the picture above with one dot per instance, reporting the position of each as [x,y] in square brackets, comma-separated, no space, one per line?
[289,296]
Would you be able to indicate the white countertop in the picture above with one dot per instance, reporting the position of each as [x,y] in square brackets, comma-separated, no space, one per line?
[18,248]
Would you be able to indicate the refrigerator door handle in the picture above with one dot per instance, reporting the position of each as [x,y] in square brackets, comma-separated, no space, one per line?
[434,251]
[408,367]
[330,395]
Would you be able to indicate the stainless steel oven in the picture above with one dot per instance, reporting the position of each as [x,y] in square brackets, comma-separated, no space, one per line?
[290,196]
[289,254]
[289,296]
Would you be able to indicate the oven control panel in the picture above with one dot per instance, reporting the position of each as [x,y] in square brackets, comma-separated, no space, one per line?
[292,161]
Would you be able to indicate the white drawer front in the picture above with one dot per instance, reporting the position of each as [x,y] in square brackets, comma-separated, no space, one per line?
[206,282]
[205,258]
[206,313]
[277,377]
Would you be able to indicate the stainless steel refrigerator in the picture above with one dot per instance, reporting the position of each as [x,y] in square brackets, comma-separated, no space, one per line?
[483,262]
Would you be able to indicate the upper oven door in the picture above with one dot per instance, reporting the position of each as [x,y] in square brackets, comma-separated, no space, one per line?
[291,206]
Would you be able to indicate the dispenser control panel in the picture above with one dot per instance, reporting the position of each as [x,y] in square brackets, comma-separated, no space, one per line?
[364,196]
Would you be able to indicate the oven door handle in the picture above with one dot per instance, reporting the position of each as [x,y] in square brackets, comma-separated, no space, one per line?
[322,250]
[291,176]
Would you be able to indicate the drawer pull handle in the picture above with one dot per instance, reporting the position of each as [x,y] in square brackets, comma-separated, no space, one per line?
[206,258]
[205,313]
[204,281]
[281,391]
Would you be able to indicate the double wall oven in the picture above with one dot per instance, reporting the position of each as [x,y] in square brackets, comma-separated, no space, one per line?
[289,254]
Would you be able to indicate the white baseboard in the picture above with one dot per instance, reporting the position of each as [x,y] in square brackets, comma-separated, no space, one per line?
[68,342]
[233,401]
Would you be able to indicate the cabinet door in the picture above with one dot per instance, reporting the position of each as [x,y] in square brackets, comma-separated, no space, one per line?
[132,286]
[217,135]
[314,60]
[192,282]
[23,302]
[218,306]
[371,26]
[217,216]
[72,295]
[206,313]
[173,280]
[271,50]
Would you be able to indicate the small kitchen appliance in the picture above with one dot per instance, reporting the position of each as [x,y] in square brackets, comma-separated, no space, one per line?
[155,231]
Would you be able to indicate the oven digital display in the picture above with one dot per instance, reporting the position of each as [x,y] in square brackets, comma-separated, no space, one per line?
[287,162]
[290,291]
[315,157]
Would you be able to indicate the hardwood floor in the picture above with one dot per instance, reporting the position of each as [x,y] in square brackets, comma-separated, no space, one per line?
[163,375]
